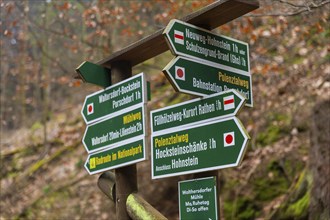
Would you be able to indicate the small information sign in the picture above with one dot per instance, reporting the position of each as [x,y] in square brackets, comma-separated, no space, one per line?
[198,199]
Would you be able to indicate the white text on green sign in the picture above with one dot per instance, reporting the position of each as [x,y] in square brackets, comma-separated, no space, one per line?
[199,78]
[120,156]
[195,42]
[198,199]
[199,148]
[114,98]
[216,106]
[109,131]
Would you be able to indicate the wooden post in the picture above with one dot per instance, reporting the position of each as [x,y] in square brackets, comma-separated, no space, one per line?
[121,62]
[107,184]
[139,209]
[126,177]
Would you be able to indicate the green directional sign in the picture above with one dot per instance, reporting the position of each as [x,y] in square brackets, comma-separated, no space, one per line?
[95,74]
[191,41]
[210,108]
[199,78]
[119,156]
[109,131]
[198,199]
[199,148]
[125,94]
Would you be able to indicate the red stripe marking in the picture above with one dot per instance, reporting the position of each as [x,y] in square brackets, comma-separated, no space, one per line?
[228,101]
[178,36]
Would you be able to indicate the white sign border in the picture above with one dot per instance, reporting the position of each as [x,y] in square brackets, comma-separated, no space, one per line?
[145,157]
[174,60]
[238,161]
[144,96]
[240,105]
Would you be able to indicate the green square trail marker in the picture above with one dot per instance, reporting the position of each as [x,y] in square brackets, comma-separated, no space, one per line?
[116,130]
[198,148]
[120,156]
[192,41]
[200,110]
[200,78]
[198,199]
[115,98]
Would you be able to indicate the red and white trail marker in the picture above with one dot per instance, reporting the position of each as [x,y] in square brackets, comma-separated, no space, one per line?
[228,102]
[229,139]
[178,37]
[180,73]
[90,108]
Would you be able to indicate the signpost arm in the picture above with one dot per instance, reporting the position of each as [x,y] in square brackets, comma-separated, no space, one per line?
[126,177]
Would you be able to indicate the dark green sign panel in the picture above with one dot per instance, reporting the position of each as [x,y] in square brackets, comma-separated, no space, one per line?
[199,148]
[109,131]
[199,78]
[95,74]
[210,108]
[198,199]
[191,41]
[118,156]
[125,94]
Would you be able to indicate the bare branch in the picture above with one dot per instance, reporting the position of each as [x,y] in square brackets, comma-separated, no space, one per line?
[291,4]
[46,54]
[308,8]
[58,33]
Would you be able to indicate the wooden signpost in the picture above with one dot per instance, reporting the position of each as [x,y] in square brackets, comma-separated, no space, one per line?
[115,133]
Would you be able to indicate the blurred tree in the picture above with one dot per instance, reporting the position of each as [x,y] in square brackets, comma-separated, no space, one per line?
[43,41]
[41,44]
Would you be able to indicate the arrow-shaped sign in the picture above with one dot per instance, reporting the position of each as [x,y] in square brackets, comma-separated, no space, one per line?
[120,96]
[195,42]
[109,131]
[202,147]
[199,78]
[201,110]
[95,74]
[116,157]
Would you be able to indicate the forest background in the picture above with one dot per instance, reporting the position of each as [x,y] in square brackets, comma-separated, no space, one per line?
[285,172]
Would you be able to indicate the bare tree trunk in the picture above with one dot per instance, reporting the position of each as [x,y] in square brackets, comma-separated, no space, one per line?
[320,162]
[22,75]
[45,88]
